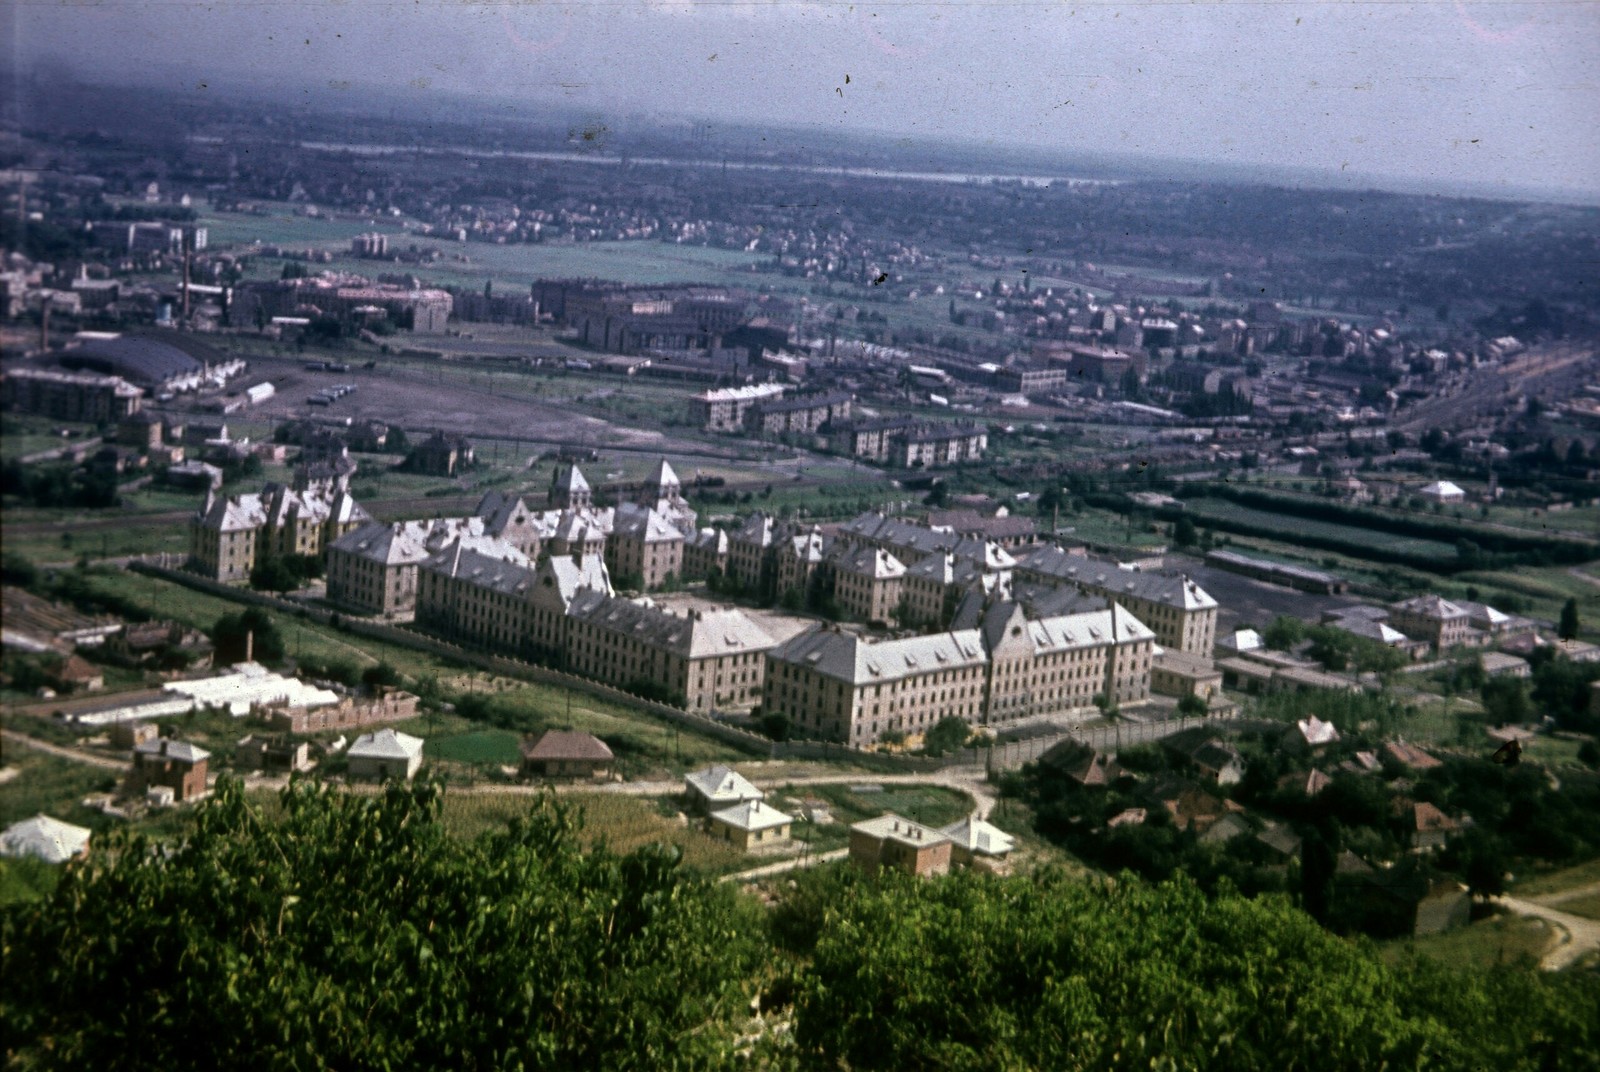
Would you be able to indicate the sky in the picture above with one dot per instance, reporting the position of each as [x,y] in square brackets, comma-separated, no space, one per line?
[1446,93]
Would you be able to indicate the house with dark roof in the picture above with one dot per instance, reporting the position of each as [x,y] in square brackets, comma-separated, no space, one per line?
[567,754]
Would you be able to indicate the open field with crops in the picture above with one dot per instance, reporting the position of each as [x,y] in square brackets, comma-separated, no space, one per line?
[1221,510]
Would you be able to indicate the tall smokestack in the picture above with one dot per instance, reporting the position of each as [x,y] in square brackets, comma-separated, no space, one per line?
[188,257]
[44,323]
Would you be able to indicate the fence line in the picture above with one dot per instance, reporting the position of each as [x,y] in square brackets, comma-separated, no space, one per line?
[1009,755]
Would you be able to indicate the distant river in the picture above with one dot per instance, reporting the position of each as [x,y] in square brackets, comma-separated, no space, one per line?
[657,161]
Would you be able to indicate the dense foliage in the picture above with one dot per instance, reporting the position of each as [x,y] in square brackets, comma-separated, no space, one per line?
[355,933]
[974,972]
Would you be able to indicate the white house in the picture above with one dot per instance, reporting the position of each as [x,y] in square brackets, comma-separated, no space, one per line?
[387,753]
[978,843]
[719,787]
[49,839]
[1444,491]
[751,825]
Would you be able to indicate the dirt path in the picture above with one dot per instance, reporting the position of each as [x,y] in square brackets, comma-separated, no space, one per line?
[971,784]
[77,756]
[794,863]
[1582,936]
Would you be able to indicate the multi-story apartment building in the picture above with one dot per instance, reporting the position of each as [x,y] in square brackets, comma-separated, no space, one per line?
[707,550]
[69,396]
[908,443]
[644,545]
[750,553]
[1440,622]
[1009,668]
[934,586]
[704,661]
[800,561]
[374,568]
[477,596]
[801,415]
[866,583]
[1183,615]
[725,409]
[229,536]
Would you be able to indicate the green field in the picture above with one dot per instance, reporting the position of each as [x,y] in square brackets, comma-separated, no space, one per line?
[476,747]
[471,263]
[51,785]
[1571,878]
[1481,945]
[1588,907]
[1221,510]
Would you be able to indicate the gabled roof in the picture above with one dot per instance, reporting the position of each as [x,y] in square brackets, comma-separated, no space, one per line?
[846,657]
[400,543]
[752,815]
[166,747]
[567,745]
[759,529]
[1431,606]
[386,744]
[1403,752]
[1313,730]
[699,634]
[508,572]
[48,839]
[872,562]
[977,836]
[570,478]
[1429,819]
[662,476]
[643,523]
[719,783]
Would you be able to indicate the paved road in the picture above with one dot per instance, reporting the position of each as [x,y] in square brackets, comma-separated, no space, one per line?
[1582,936]
[74,754]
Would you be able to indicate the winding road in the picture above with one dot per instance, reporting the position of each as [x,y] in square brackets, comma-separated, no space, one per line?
[1580,937]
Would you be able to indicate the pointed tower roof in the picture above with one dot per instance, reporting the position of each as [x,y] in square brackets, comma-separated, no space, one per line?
[570,478]
[663,477]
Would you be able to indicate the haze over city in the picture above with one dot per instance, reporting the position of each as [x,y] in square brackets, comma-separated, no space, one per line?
[1487,96]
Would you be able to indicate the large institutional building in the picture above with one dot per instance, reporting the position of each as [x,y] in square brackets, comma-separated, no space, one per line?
[1008,668]
[229,537]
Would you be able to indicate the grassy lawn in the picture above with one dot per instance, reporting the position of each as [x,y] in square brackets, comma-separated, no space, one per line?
[52,786]
[1587,907]
[1499,940]
[1570,878]
[622,823]
[477,747]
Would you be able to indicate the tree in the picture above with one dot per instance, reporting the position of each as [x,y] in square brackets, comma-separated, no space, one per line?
[274,574]
[1284,633]
[1184,533]
[229,635]
[1192,706]
[356,932]
[775,725]
[1568,627]
[1505,700]
[949,734]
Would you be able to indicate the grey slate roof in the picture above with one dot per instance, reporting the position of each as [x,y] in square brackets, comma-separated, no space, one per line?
[846,657]
[698,635]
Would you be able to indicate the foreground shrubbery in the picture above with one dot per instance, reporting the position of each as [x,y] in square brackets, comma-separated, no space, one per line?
[351,932]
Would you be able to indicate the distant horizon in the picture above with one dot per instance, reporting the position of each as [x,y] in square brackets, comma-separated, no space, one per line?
[1014,157]
[1439,95]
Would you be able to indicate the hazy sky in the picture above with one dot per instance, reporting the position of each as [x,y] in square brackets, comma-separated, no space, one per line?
[1452,91]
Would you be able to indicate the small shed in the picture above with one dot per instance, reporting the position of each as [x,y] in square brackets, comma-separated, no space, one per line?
[385,754]
[566,754]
